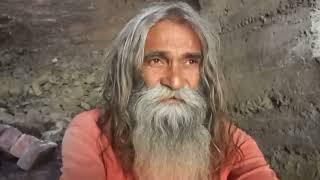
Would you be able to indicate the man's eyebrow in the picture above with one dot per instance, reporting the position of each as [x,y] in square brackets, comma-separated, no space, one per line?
[155,54]
[164,54]
[195,55]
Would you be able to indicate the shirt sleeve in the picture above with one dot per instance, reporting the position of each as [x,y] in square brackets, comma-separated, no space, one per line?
[252,165]
[80,151]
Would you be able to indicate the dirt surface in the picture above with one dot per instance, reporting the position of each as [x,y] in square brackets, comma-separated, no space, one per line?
[51,68]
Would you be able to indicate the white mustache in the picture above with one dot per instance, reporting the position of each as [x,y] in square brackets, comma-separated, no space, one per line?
[159,93]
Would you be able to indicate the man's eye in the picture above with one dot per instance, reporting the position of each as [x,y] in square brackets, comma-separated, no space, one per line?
[192,61]
[155,60]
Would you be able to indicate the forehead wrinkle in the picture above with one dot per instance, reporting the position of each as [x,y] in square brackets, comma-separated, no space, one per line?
[176,38]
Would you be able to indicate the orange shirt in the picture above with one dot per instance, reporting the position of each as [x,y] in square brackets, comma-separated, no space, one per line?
[82,158]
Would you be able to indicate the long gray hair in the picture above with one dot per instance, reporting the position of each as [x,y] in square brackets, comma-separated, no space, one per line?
[124,60]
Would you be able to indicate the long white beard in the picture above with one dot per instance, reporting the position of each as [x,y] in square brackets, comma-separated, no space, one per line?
[169,139]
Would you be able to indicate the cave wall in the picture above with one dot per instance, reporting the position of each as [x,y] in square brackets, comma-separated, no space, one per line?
[51,54]
[270,55]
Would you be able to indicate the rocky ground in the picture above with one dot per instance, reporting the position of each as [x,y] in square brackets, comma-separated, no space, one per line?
[51,68]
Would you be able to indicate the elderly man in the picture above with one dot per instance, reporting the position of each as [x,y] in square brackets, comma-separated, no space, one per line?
[163,118]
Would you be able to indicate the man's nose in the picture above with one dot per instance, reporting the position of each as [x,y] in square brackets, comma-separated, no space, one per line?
[173,78]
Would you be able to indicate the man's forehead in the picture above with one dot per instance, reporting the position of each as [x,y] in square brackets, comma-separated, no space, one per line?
[167,34]
[171,22]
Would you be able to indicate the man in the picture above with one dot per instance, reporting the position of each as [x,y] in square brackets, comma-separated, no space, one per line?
[163,118]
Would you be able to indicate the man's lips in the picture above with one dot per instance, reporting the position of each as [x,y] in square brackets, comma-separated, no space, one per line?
[172,100]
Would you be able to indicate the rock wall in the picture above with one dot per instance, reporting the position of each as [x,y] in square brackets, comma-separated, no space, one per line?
[270,56]
[50,69]
[315,29]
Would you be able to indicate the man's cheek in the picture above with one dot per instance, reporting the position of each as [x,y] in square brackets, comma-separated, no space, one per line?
[193,78]
[151,78]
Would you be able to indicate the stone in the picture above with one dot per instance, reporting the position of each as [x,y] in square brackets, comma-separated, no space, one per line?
[47,86]
[8,138]
[56,132]
[85,105]
[53,79]
[263,19]
[33,115]
[54,60]
[3,127]
[77,92]
[36,88]
[35,153]
[22,145]
[77,83]
[79,39]
[37,83]
[3,110]
[16,88]
[5,117]
[90,79]
[43,78]
[317,59]
[53,135]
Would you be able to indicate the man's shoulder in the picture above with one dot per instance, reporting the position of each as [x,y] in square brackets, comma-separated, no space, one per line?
[82,131]
[250,163]
[240,136]
[244,141]
[86,121]
[86,117]
[248,147]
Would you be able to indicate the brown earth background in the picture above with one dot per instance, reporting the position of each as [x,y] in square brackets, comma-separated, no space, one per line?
[51,68]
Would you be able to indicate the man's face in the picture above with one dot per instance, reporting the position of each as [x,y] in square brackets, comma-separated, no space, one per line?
[172,56]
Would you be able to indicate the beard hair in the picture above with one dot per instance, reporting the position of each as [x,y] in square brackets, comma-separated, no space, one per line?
[169,139]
